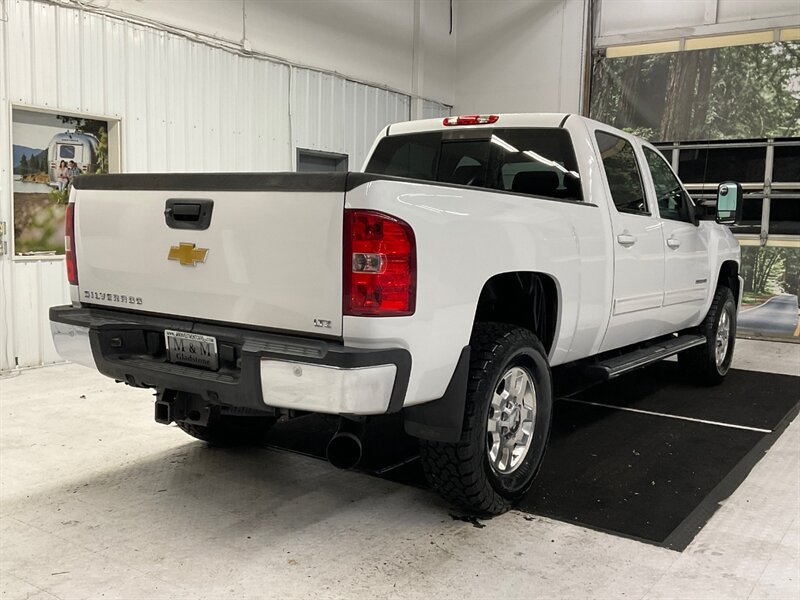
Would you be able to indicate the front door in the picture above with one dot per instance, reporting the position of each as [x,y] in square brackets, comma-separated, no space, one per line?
[638,246]
[687,279]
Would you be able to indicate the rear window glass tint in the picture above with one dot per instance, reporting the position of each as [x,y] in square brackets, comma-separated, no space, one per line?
[536,162]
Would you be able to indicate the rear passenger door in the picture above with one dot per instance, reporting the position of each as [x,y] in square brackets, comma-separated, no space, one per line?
[638,245]
[686,277]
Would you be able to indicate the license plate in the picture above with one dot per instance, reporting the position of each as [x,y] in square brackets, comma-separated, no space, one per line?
[192,349]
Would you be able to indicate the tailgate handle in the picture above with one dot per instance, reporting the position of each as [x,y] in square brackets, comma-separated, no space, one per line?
[183,213]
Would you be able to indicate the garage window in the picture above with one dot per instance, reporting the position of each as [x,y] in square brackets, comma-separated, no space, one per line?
[317,161]
[712,165]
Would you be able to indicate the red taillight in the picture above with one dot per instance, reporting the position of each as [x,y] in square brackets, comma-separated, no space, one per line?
[69,245]
[380,265]
[471,120]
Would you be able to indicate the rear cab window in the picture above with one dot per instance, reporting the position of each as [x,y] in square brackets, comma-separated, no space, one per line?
[536,162]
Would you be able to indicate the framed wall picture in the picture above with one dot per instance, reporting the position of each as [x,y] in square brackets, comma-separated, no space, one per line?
[49,151]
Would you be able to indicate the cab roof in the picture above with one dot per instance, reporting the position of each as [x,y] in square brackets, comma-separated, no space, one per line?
[503,120]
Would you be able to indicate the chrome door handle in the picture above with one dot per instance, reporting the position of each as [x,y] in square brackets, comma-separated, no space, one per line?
[626,239]
[673,243]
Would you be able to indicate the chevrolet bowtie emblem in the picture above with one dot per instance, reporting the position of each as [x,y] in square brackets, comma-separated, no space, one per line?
[187,254]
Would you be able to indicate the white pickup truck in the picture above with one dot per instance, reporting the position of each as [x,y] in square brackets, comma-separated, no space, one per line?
[470,256]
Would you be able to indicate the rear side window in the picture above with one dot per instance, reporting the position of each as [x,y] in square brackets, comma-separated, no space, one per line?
[535,162]
[622,173]
[539,162]
[413,156]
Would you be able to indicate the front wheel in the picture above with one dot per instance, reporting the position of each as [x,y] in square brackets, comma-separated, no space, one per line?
[708,363]
[506,423]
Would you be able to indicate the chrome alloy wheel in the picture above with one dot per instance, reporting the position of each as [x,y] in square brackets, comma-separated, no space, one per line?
[723,337]
[512,414]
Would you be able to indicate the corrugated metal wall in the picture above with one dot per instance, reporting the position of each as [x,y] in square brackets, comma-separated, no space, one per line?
[183,106]
[337,115]
[431,109]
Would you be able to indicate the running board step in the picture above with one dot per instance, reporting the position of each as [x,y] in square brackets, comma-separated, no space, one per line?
[617,365]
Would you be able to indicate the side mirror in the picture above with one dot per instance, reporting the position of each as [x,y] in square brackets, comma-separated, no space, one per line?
[729,202]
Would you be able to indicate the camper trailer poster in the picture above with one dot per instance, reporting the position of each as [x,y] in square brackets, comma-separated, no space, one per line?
[49,152]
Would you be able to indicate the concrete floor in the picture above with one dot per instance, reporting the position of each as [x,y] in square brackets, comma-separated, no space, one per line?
[96,500]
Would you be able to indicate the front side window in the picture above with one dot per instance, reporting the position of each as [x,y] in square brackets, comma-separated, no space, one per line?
[672,200]
[535,162]
[622,173]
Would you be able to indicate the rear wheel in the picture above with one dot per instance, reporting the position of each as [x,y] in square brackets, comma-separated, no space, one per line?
[229,430]
[709,363]
[506,423]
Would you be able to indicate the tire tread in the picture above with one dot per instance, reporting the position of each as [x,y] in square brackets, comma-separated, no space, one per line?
[699,363]
[454,470]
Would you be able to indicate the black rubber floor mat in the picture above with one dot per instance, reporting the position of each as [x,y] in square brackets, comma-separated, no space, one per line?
[653,478]
[746,398]
[632,474]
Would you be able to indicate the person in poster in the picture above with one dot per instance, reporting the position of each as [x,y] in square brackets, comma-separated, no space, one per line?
[73,172]
[62,175]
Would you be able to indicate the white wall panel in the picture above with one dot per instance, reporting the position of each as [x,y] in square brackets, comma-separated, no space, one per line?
[6,303]
[626,21]
[519,56]
[366,39]
[27,323]
[183,106]
[745,10]
[37,286]
[626,16]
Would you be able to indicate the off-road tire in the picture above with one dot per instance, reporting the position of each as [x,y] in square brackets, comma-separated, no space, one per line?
[461,472]
[228,430]
[700,363]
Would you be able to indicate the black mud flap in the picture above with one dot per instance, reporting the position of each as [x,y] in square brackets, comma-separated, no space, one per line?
[441,420]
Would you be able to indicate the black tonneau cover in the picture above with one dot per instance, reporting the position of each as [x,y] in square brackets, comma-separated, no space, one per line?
[231,182]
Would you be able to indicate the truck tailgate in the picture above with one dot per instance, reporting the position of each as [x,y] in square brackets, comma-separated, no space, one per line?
[271,255]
